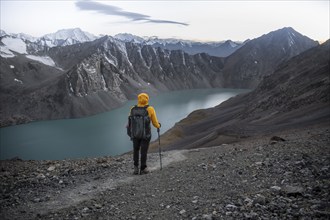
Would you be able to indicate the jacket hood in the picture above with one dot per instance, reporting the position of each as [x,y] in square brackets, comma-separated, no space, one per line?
[143,99]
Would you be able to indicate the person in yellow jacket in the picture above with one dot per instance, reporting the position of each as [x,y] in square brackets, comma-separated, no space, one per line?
[141,145]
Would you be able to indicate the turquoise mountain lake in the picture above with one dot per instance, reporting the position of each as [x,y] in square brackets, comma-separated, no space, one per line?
[103,134]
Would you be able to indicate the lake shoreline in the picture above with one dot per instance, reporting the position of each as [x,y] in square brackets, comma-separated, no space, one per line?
[104,133]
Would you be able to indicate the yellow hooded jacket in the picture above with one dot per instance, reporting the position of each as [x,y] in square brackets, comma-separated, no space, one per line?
[143,100]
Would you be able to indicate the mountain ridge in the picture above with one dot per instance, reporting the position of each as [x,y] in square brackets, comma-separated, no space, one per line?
[100,75]
[260,56]
[72,36]
[220,48]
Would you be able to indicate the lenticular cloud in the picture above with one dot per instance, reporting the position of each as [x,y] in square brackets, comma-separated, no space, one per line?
[112,10]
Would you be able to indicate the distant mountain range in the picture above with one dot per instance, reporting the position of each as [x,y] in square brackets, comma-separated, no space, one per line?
[220,49]
[67,37]
[42,81]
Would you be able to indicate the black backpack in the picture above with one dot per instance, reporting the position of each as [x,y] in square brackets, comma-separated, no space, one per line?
[139,123]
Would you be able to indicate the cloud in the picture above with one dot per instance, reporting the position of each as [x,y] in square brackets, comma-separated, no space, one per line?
[112,10]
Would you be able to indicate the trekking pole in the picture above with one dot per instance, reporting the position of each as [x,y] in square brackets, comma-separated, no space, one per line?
[160,150]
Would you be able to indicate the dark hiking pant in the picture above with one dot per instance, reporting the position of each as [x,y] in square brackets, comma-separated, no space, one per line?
[140,145]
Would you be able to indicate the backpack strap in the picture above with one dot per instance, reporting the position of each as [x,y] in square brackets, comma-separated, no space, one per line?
[146,108]
[130,112]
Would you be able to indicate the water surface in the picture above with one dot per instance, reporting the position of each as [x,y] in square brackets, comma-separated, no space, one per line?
[102,134]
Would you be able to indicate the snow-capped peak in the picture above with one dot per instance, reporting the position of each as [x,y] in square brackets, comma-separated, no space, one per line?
[126,37]
[25,37]
[75,34]
[154,40]
[62,37]
[231,43]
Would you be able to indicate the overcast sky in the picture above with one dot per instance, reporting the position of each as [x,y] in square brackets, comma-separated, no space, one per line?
[193,20]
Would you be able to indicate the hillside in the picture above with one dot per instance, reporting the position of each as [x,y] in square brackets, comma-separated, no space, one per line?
[296,95]
[257,179]
[261,56]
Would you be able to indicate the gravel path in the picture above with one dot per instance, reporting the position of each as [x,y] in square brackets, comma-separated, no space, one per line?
[263,178]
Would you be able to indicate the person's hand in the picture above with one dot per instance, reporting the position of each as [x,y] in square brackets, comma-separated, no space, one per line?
[160,125]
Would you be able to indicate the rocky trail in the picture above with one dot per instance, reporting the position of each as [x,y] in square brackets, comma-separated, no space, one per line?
[261,178]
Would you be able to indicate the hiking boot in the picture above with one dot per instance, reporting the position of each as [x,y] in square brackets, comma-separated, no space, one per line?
[144,171]
[136,171]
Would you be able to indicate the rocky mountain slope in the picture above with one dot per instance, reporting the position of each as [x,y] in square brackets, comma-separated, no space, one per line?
[256,179]
[295,95]
[100,75]
[261,56]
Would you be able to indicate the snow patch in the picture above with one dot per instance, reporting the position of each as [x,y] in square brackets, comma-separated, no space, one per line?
[291,40]
[89,68]
[129,38]
[49,43]
[25,37]
[70,86]
[113,62]
[14,44]
[45,60]
[5,52]
[183,58]
[103,84]
[232,44]
[19,81]
[11,66]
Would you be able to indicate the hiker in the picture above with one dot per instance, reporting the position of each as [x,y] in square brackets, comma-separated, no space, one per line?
[139,130]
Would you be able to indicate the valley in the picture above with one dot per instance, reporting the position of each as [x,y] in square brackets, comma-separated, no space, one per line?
[91,77]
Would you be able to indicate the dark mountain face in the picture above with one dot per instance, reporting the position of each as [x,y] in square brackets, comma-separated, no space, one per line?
[259,57]
[295,96]
[125,69]
[97,76]
[30,90]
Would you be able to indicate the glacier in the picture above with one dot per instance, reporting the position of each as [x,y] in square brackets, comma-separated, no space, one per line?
[44,59]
